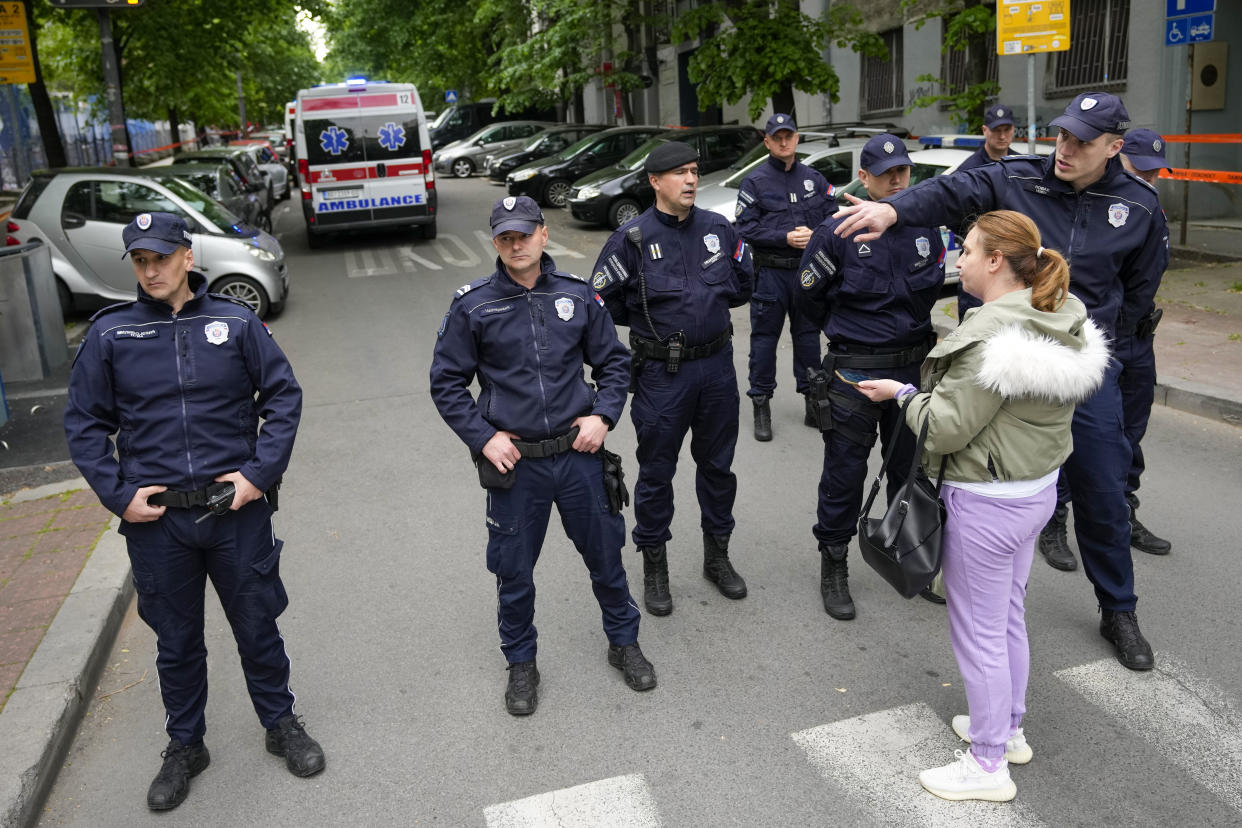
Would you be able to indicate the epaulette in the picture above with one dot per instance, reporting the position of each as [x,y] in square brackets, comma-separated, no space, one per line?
[110,308]
[1005,159]
[477,283]
[232,299]
[568,275]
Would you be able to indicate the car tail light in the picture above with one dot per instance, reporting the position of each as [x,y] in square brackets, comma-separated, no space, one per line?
[12,227]
[304,175]
[429,176]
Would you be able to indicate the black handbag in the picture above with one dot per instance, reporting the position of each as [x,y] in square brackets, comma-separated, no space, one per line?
[904,546]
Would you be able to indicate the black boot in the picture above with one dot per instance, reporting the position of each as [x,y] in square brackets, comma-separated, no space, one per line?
[656,597]
[303,755]
[810,420]
[629,659]
[1122,629]
[1054,544]
[522,693]
[718,569]
[763,418]
[834,581]
[172,784]
[1141,538]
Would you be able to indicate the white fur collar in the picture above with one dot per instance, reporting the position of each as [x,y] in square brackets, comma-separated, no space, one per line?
[1019,363]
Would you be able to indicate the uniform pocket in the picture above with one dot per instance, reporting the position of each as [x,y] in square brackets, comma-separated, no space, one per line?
[271,589]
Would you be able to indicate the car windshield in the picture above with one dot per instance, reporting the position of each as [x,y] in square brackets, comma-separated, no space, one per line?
[442,117]
[216,213]
[752,155]
[536,139]
[579,147]
[635,159]
[735,181]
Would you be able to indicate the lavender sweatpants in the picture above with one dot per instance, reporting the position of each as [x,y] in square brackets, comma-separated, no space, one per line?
[988,546]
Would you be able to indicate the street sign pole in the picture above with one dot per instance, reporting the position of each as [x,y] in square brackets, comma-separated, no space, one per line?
[1190,71]
[1030,104]
[121,151]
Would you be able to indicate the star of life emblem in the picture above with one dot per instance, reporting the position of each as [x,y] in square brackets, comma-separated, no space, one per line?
[334,140]
[217,332]
[712,242]
[564,308]
[392,136]
[509,202]
[923,246]
[143,221]
[1117,214]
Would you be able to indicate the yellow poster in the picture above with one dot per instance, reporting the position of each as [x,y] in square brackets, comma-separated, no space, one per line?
[15,63]
[1026,27]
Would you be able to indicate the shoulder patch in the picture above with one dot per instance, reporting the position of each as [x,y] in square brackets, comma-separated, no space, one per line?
[232,299]
[469,286]
[110,308]
[574,276]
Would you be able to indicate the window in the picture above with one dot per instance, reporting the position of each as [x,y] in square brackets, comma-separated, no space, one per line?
[78,200]
[1098,56]
[726,146]
[120,201]
[954,66]
[882,84]
[838,168]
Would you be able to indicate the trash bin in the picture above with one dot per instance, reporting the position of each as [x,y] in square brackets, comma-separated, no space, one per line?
[32,327]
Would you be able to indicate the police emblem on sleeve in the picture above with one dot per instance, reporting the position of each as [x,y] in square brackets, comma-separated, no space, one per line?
[564,308]
[712,242]
[807,278]
[509,202]
[217,332]
[143,221]
[737,211]
[923,246]
[600,280]
[1117,214]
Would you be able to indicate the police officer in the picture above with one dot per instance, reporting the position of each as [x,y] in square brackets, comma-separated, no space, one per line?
[183,377]
[777,206]
[874,302]
[537,434]
[672,274]
[1111,228]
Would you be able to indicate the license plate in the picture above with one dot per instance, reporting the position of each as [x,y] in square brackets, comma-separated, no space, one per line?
[337,195]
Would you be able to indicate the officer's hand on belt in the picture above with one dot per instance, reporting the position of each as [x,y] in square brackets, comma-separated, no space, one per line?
[243,490]
[501,452]
[875,216]
[139,511]
[798,237]
[591,433]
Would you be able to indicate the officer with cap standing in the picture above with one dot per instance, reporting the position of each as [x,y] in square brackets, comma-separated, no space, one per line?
[777,206]
[671,275]
[172,375]
[1111,228]
[537,434]
[874,301]
[997,136]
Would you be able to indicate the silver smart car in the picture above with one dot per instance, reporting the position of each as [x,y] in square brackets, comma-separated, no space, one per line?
[80,212]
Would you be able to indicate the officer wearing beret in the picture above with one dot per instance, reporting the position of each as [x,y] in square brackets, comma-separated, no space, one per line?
[874,301]
[537,433]
[1111,228]
[671,275]
[183,378]
[777,206]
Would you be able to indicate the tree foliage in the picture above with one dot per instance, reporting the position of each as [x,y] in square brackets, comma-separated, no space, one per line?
[967,24]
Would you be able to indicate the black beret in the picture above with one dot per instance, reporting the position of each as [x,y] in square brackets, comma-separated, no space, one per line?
[670,156]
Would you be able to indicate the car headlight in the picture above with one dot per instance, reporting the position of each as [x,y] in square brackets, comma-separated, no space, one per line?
[522,175]
[261,254]
[589,191]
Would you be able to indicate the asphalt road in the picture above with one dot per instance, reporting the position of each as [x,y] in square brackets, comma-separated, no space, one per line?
[768,712]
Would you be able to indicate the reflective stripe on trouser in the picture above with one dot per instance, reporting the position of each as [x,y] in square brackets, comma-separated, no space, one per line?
[172,558]
[988,547]
[517,521]
[775,298]
[701,398]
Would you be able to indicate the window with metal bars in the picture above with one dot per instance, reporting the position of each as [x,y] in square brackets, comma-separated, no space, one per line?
[882,90]
[953,68]
[1098,56]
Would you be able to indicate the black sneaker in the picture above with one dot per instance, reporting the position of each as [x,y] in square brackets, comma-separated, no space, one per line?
[629,659]
[522,694]
[172,784]
[1142,539]
[303,755]
[1122,629]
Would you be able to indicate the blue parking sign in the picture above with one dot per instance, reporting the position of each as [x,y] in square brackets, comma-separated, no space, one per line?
[1201,28]
[1183,8]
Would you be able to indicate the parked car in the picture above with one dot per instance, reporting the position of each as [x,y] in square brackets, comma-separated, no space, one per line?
[274,170]
[537,147]
[618,193]
[243,164]
[548,180]
[466,117]
[464,157]
[221,183]
[80,213]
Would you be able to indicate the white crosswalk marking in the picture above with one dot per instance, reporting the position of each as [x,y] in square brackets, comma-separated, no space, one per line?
[413,261]
[1193,722]
[447,250]
[361,263]
[441,247]
[619,802]
[875,759]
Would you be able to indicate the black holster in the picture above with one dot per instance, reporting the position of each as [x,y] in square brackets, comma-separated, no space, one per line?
[636,368]
[273,495]
[1147,325]
[818,381]
[491,477]
[614,482]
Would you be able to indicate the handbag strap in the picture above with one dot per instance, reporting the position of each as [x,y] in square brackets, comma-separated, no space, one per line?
[914,459]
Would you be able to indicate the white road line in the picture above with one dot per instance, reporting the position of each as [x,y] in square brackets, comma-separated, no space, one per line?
[1187,718]
[875,760]
[440,245]
[558,251]
[362,263]
[411,259]
[619,802]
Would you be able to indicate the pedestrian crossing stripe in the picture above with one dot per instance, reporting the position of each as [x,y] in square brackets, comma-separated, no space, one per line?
[621,800]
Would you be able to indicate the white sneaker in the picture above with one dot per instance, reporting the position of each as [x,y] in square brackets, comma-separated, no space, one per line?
[965,779]
[1017,751]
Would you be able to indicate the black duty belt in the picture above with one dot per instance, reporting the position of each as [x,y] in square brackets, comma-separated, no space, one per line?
[547,448]
[179,500]
[651,349]
[864,357]
[782,262]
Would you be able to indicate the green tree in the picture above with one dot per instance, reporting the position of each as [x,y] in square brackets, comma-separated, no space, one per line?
[967,26]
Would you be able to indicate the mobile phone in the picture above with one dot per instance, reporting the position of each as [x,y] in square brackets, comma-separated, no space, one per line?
[851,376]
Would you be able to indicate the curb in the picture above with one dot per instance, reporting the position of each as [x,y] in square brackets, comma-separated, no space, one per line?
[41,718]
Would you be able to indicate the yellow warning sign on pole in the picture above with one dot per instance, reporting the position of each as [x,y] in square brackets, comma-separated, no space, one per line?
[1025,27]
[15,63]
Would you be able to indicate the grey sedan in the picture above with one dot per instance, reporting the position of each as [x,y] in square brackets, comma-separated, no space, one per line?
[462,158]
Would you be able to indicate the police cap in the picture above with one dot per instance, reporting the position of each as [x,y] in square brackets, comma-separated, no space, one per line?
[1145,149]
[669,156]
[1092,114]
[883,152]
[998,115]
[778,122]
[159,232]
[519,213]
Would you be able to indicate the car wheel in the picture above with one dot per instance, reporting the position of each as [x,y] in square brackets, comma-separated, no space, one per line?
[288,192]
[621,211]
[245,289]
[463,168]
[429,230]
[556,194]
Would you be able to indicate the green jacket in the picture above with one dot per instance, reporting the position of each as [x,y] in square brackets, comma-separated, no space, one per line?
[1000,390]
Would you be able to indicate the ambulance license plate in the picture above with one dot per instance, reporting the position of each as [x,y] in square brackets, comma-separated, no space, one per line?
[337,195]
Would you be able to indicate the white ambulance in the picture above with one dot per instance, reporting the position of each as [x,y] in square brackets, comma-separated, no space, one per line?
[364,158]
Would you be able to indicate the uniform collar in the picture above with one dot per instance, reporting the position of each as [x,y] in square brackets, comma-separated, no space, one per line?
[779,165]
[546,266]
[1112,170]
[672,221]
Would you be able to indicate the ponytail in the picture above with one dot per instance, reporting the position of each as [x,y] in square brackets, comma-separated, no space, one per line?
[1016,237]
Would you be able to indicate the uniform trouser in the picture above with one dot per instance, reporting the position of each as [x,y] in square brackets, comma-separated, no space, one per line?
[517,520]
[845,460]
[988,547]
[701,398]
[775,297]
[172,558]
[1096,473]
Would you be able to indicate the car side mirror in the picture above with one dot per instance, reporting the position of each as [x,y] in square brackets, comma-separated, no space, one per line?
[72,221]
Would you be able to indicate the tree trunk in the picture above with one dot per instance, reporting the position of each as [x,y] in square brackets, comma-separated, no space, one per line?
[49,129]
[783,101]
[977,65]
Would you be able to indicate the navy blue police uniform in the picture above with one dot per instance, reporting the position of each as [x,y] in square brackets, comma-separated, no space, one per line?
[673,282]
[1115,237]
[185,393]
[771,202]
[873,301]
[527,347]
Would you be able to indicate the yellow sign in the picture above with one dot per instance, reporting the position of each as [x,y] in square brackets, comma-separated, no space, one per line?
[15,63]
[1025,27]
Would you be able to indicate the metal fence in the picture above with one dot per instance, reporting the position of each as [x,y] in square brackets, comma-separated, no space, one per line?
[1098,57]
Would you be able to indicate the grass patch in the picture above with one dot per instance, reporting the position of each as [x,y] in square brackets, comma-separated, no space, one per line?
[1233,337]
[1236,287]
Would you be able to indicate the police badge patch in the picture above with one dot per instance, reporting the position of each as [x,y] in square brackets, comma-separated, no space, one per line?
[509,202]
[600,280]
[1117,214]
[143,221]
[564,308]
[712,242]
[737,212]
[217,332]
[809,185]
[923,246]
[808,278]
